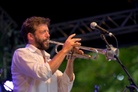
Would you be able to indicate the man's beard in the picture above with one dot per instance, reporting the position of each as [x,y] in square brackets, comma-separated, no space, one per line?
[42,44]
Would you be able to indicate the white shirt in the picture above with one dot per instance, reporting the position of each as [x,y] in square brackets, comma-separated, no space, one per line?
[31,74]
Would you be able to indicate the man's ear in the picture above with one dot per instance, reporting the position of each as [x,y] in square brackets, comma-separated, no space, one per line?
[30,36]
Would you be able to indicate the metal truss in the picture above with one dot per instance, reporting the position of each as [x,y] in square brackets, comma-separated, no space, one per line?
[118,23]
[7,27]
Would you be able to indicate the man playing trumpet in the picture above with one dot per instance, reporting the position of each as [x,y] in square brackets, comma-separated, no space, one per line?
[32,68]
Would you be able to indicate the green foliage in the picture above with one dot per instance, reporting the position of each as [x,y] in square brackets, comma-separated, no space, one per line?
[109,76]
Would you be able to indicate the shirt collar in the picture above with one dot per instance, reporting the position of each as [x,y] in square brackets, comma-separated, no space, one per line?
[32,48]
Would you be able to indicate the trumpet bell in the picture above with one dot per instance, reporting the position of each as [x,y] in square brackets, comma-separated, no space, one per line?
[111,52]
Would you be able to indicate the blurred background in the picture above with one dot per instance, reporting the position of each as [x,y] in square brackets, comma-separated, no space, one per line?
[120,17]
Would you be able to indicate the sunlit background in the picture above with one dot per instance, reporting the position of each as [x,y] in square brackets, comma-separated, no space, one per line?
[92,75]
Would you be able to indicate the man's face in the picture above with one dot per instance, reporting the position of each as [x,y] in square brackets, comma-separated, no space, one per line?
[42,37]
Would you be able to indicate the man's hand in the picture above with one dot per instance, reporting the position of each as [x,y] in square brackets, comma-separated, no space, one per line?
[71,43]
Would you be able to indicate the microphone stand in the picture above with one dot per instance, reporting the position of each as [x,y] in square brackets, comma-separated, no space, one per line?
[132,87]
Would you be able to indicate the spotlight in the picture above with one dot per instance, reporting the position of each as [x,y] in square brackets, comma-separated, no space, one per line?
[8,85]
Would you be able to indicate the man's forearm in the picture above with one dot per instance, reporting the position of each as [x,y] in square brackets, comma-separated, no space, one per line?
[57,60]
[69,69]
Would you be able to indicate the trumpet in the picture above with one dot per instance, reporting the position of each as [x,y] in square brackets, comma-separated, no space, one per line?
[109,52]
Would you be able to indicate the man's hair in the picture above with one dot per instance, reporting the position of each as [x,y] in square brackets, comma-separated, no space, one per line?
[30,24]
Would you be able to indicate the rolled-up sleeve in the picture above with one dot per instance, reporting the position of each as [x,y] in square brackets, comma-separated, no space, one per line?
[64,83]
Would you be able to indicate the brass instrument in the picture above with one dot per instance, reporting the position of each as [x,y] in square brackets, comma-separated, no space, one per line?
[109,52]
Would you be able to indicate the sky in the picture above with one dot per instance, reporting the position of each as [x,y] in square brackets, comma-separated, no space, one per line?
[61,10]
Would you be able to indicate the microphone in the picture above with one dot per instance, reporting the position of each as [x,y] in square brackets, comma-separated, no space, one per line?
[94,25]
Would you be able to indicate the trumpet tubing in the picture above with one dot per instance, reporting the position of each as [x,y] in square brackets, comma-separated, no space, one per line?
[109,52]
[54,42]
[81,47]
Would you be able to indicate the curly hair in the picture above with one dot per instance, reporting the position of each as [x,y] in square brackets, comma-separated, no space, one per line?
[30,24]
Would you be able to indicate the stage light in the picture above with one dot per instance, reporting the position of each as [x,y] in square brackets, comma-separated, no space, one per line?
[8,85]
